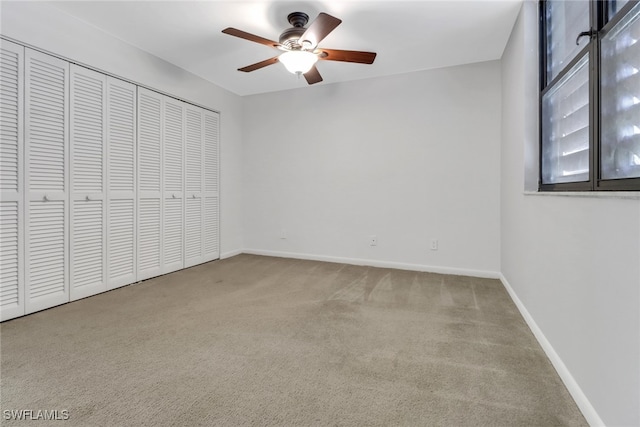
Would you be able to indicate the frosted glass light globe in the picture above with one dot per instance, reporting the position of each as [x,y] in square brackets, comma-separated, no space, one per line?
[298,61]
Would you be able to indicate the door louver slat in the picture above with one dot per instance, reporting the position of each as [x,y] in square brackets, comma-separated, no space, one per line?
[47,248]
[9,263]
[121,238]
[193,225]
[149,235]
[87,243]
[173,227]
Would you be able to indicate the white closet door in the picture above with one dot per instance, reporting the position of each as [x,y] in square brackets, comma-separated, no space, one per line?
[121,183]
[47,181]
[211,204]
[173,224]
[88,207]
[150,124]
[193,188]
[11,180]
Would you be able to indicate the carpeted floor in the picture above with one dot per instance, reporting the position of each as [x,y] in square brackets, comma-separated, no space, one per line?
[260,341]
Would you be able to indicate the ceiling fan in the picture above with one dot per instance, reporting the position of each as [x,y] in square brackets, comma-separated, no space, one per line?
[300,46]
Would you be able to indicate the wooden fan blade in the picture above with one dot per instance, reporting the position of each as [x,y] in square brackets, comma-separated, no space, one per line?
[347,56]
[313,76]
[259,65]
[320,28]
[251,37]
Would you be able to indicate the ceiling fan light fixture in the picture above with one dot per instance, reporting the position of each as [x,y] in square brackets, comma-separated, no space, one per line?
[298,61]
[299,45]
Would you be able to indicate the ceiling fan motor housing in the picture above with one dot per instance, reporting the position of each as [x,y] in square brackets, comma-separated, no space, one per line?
[290,38]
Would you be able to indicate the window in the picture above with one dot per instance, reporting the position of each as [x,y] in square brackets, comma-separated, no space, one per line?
[590,95]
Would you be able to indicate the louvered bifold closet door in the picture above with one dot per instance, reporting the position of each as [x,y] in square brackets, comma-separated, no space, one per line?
[211,204]
[47,181]
[150,124]
[173,159]
[88,207]
[121,183]
[193,188]
[11,180]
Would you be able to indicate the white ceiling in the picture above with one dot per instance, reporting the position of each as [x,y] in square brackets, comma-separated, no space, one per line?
[407,35]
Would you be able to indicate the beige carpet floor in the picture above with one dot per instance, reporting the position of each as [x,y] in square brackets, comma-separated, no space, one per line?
[260,341]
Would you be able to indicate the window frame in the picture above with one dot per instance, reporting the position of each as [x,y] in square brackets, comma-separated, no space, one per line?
[600,25]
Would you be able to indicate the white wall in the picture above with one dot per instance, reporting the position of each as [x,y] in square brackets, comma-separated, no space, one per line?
[410,158]
[573,262]
[45,27]
[407,158]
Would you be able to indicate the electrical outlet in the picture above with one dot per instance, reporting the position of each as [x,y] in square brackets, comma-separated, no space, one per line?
[373,240]
[434,244]
[283,234]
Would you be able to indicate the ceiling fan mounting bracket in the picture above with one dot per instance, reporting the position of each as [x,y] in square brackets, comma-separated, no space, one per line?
[298,19]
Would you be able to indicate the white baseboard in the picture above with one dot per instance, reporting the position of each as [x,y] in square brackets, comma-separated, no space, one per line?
[230,253]
[377,263]
[576,392]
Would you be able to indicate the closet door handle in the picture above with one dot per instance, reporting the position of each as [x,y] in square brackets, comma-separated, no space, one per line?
[87,198]
[45,198]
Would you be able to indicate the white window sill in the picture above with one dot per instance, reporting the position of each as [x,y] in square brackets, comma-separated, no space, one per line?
[631,195]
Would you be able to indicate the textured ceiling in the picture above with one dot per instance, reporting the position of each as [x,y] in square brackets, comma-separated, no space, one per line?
[407,35]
